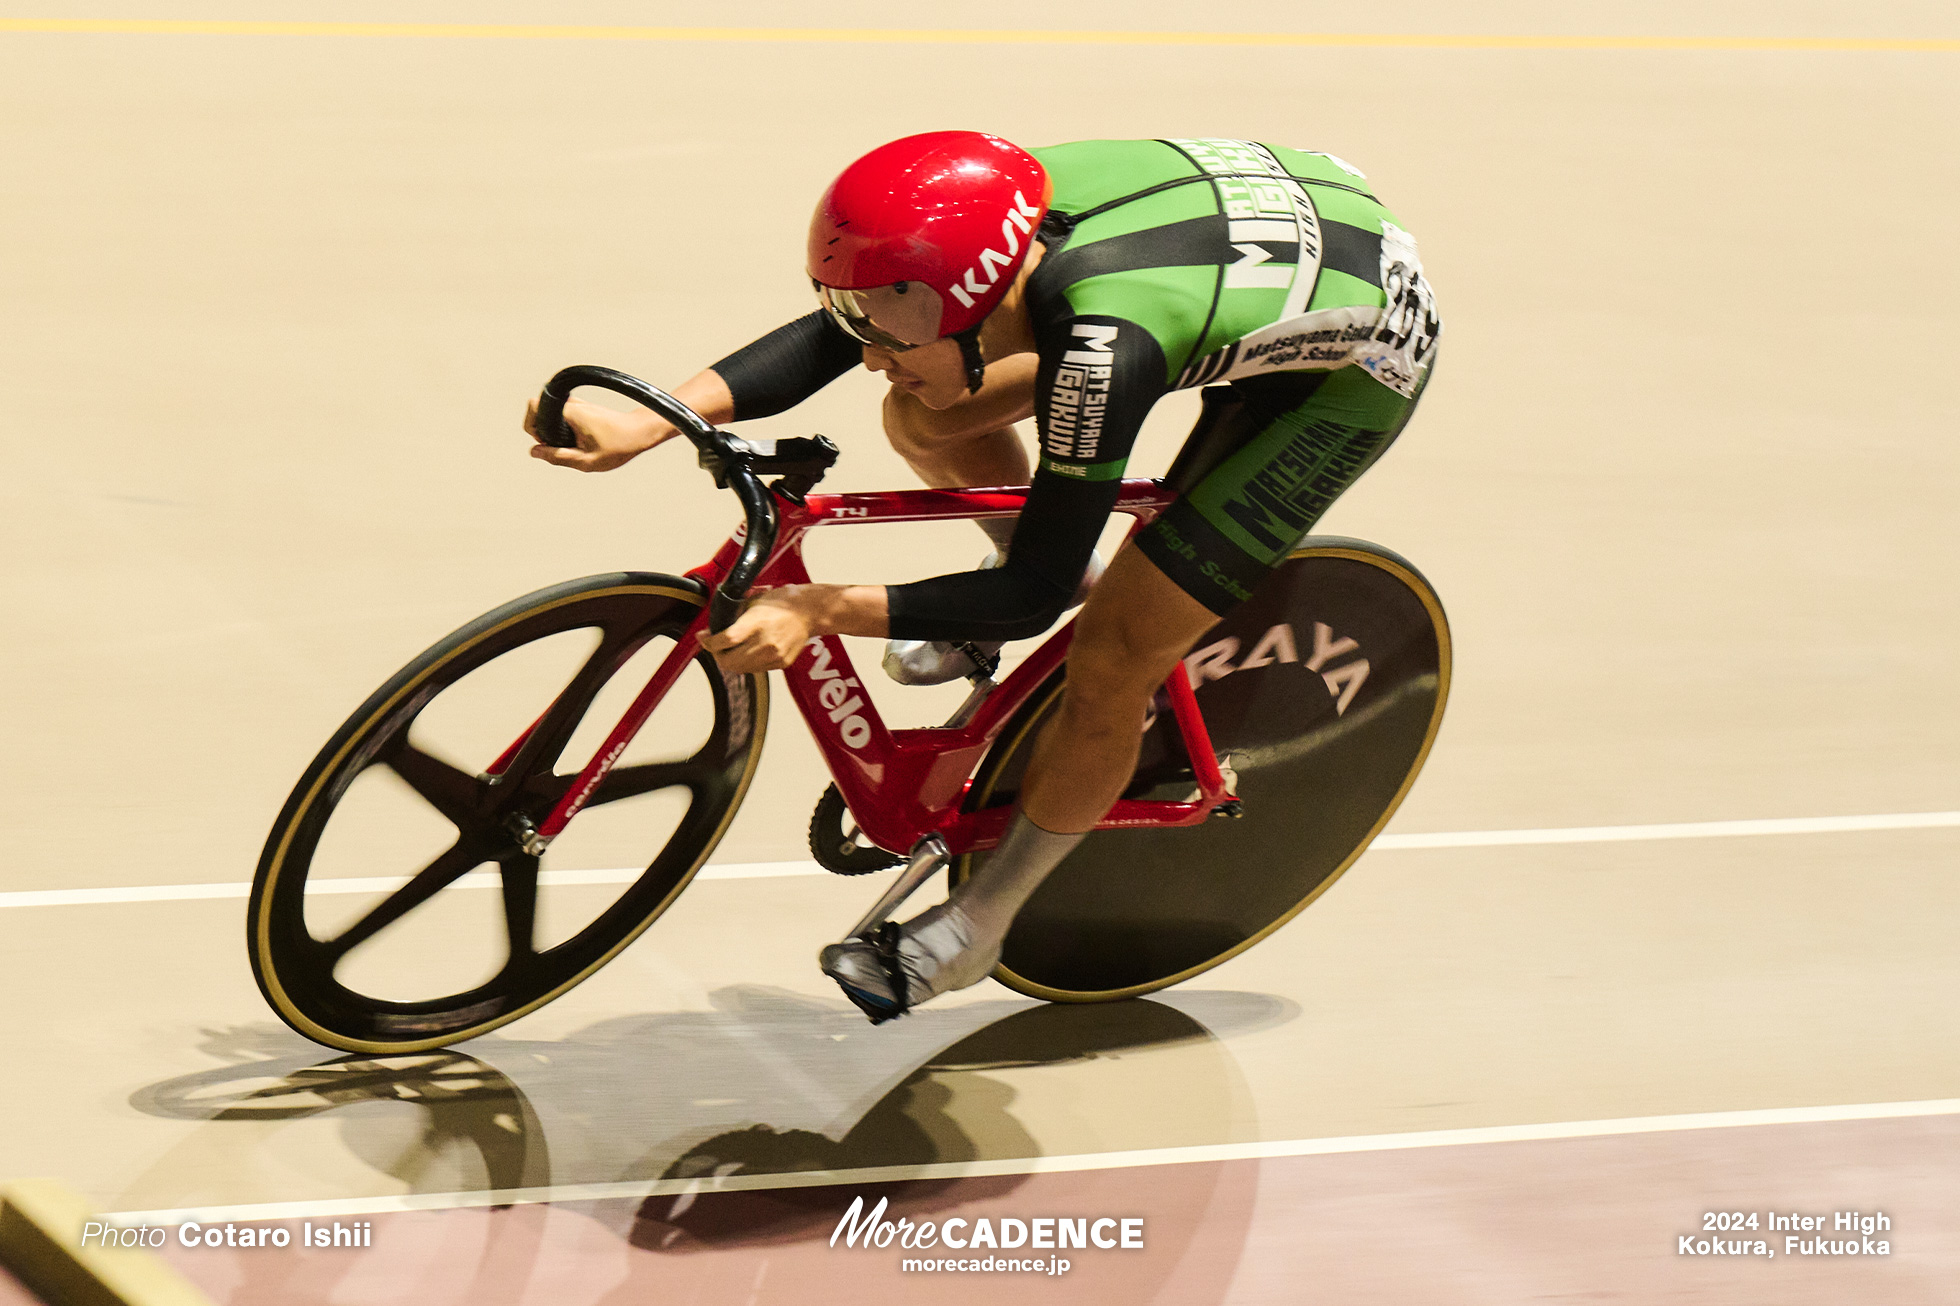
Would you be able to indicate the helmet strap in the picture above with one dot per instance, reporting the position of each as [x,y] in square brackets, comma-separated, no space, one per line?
[976,367]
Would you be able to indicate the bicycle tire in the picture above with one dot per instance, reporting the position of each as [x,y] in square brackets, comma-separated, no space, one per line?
[296,971]
[1133,911]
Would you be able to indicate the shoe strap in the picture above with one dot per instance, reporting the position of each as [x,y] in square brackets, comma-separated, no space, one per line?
[884,942]
[986,663]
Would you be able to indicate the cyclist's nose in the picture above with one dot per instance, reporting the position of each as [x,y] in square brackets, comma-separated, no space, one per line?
[878,360]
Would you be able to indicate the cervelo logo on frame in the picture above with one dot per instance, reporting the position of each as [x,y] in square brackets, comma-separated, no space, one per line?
[1021,215]
[599,773]
[834,692]
[1214,661]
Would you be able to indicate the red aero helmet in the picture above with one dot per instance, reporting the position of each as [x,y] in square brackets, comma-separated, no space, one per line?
[920,239]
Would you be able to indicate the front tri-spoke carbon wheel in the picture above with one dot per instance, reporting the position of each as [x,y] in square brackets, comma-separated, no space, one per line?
[399,904]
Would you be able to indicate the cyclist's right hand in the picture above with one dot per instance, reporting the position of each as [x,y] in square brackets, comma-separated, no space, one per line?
[606,438]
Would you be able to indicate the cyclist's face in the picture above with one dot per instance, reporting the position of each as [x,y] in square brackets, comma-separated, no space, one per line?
[934,374]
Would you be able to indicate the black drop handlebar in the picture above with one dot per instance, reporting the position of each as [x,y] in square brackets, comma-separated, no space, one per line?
[737,465]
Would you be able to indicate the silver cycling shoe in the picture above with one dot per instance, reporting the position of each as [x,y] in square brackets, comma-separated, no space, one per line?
[896,967]
[936,661]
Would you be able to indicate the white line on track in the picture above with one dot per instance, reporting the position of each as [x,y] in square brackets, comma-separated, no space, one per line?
[1678,830]
[767,870]
[643,1188]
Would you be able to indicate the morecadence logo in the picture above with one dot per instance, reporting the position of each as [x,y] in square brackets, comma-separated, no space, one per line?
[867,1230]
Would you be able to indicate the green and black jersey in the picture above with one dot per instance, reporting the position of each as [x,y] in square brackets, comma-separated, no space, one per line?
[1216,260]
[1171,264]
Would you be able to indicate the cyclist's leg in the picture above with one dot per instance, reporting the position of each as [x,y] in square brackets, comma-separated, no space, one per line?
[1161,595]
[1135,627]
[1198,561]
[1220,537]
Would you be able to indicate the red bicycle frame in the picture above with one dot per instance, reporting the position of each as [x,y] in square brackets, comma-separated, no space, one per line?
[902,785]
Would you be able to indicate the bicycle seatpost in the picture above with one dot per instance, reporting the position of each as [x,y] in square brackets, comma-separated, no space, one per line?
[727,456]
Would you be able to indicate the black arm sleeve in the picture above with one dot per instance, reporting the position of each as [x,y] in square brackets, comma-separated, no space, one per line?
[1098,379]
[787,366]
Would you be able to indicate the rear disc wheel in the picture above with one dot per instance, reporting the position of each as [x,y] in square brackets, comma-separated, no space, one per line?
[1322,694]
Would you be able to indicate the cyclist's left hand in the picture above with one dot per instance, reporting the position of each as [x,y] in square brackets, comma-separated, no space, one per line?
[770,633]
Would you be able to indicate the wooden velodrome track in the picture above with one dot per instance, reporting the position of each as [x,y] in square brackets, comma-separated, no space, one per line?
[272,297]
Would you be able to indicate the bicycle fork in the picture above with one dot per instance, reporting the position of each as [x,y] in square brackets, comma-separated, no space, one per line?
[534,839]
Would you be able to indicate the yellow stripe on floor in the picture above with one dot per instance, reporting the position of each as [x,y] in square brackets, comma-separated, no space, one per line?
[932,36]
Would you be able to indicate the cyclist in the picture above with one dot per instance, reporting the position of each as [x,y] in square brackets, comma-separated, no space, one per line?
[1080,283]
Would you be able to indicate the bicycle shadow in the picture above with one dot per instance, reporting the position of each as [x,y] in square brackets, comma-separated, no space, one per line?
[467,1104]
[766,1082]
[915,1123]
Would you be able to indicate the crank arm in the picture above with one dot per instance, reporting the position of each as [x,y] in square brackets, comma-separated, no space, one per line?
[928,855]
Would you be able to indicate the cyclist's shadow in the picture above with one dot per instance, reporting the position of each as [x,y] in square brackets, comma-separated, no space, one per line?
[946,1109]
[508,1115]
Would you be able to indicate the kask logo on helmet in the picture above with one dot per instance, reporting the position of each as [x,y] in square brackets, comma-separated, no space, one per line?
[1021,216]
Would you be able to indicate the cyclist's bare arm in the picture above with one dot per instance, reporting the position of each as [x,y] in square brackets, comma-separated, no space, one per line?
[972,442]
[772,630]
[764,377]
[608,438]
